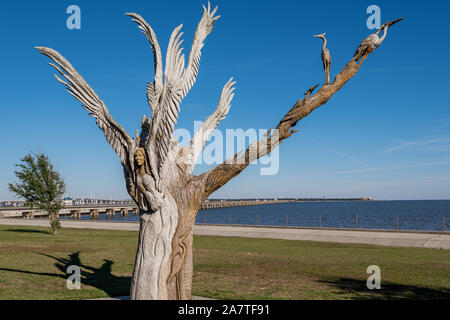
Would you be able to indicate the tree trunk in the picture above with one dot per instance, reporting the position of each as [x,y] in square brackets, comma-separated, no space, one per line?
[153,257]
[164,259]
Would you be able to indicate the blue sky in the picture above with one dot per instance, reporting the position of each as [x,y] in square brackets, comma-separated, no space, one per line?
[386,134]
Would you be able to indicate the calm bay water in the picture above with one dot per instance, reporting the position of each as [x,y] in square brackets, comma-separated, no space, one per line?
[412,215]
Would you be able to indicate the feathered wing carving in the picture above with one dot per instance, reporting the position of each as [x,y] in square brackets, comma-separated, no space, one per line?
[166,115]
[202,136]
[177,83]
[204,28]
[116,136]
[362,48]
[154,89]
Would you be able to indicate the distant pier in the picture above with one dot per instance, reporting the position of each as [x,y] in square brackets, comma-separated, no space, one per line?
[129,208]
[214,204]
[75,212]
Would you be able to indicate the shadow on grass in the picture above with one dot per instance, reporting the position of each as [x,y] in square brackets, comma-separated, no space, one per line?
[388,291]
[100,278]
[28,231]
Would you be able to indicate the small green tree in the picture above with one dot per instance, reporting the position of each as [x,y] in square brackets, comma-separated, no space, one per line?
[40,186]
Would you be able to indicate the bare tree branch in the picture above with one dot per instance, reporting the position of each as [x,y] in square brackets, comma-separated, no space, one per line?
[219,176]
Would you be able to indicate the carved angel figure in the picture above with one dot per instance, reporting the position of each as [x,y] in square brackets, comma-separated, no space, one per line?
[147,161]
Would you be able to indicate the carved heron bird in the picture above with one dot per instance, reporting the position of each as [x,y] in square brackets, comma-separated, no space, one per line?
[326,57]
[373,41]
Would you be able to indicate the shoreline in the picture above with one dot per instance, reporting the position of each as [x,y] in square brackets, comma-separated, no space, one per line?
[382,238]
[112,221]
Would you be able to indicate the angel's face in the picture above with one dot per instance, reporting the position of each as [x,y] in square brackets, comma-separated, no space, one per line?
[139,157]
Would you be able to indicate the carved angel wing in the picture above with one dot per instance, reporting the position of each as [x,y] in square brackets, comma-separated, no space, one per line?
[155,88]
[116,136]
[166,115]
[204,28]
[177,83]
[202,136]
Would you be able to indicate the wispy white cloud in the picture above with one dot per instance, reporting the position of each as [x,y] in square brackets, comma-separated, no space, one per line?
[437,144]
[363,170]
[440,179]
[342,154]
[349,157]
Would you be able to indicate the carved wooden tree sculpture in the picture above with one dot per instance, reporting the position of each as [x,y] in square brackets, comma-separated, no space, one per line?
[159,175]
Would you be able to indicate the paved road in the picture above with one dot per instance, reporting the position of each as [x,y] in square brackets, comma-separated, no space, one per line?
[400,239]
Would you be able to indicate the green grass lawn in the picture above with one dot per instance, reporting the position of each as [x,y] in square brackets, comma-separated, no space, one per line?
[33,264]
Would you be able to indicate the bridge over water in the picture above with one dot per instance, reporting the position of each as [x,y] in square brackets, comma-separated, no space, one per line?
[76,211]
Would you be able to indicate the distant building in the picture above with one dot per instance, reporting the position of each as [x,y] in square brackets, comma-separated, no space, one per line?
[68,201]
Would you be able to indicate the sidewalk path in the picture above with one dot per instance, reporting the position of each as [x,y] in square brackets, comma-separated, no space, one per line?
[125,298]
[400,239]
